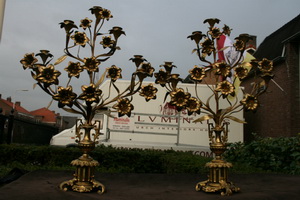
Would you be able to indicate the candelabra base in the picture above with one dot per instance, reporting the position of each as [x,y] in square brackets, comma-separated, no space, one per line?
[76,186]
[83,180]
[226,188]
[217,179]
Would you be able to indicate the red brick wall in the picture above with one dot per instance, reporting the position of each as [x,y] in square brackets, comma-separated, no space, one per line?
[278,113]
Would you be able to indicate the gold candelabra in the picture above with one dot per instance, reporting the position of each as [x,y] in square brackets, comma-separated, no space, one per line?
[224,68]
[90,99]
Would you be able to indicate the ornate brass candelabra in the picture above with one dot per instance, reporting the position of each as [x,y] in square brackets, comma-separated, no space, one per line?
[90,99]
[230,64]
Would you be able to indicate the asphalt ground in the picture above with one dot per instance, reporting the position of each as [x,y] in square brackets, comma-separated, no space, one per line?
[43,185]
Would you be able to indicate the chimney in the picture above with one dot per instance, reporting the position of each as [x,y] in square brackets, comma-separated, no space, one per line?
[8,99]
[18,103]
[251,45]
[252,42]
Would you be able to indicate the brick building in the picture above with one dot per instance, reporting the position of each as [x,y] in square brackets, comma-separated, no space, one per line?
[7,105]
[278,114]
[35,127]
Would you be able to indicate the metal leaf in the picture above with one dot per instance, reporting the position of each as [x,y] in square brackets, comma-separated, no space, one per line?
[194,50]
[222,49]
[236,119]
[60,59]
[33,75]
[34,85]
[49,103]
[208,100]
[166,95]
[101,79]
[224,111]
[117,89]
[132,82]
[203,118]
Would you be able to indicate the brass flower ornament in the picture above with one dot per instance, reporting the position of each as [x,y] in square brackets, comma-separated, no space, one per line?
[196,36]
[90,94]
[148,91]
[227,30]
[91,64]
[197,73]
[215,32]
[223,69]
[179,98]
[114,73]
[226,88]
[250,102]
[65,96]
[74,69]
[265,66]
[241,72]
[212,21]
[241,42]
[147,69]
[161,77]
[107,42]
[48,75]
[101,13]
[68,25]
[168,67]
[207,47]
[29,60]
[80,38]
[124,107]
[117,32]
[138,60]
[193,106]
[86,23]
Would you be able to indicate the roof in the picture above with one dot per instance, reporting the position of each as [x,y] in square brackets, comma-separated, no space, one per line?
[48,115]
[272,46]
[15,106]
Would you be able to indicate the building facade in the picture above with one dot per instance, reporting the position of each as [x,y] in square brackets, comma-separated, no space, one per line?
[279,111]
[18,125]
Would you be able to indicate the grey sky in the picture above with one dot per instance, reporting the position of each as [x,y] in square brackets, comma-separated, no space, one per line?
[156,29]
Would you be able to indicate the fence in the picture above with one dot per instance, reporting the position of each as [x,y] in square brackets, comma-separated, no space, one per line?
[25,131]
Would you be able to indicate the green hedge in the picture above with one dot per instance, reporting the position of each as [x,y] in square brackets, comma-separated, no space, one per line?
[280,155]
[110,159]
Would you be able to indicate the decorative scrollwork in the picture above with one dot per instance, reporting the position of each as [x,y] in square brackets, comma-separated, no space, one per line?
[78,133]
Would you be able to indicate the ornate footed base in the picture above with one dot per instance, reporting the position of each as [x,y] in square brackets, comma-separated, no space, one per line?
[83,180]
[226,188]
[217,179]
[77,186]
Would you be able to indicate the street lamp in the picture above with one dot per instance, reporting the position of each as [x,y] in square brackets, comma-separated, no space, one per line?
[11,118]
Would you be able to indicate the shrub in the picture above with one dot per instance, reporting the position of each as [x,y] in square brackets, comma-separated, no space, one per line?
[111,159]
[272,154]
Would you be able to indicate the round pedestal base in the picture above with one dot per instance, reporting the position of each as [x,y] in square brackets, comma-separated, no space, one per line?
[77,186]
[226,188]
[218,178]
[83,180]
